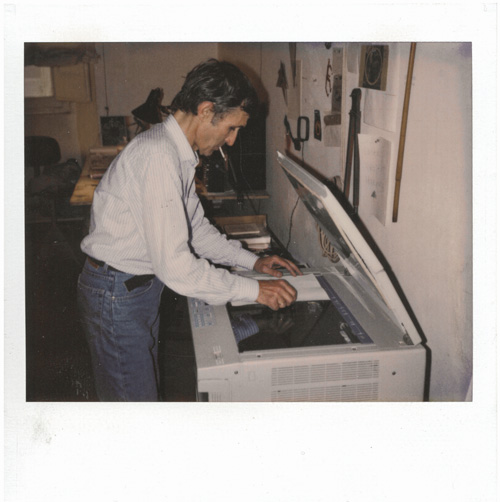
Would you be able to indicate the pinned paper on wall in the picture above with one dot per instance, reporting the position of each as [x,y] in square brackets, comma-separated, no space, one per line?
[380,110]
[332,132]
[375,155]
[353,51]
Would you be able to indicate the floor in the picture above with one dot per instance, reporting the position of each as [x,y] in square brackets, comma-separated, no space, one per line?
[57,358]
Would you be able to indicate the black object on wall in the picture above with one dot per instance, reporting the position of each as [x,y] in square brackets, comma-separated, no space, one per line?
[248,154]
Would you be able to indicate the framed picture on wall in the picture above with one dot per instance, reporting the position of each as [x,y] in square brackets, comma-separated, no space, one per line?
[373,67]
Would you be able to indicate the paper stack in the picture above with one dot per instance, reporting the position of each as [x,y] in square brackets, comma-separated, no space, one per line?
[255,236]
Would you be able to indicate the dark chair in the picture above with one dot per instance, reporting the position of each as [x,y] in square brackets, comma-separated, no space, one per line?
[50,185]
[40,151]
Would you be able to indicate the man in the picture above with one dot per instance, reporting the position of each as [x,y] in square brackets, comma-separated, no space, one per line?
[147,230]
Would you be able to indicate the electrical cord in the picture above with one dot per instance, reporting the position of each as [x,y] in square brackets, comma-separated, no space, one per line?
[291,223]
[237,186]
[326,246]
[293,210]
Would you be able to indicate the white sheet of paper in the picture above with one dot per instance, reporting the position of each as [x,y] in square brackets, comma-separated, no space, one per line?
[380,110]
[375,155]
[307,286]
[332,135]
[353,50]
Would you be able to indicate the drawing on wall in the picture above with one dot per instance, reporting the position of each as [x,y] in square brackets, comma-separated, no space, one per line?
[373,67]
[328,79]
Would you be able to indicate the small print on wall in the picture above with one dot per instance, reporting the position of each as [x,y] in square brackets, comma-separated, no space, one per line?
[373,67]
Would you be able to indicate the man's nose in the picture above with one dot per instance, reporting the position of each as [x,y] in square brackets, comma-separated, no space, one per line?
[231,138]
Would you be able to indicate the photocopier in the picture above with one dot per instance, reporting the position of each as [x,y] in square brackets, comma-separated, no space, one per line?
[348,337]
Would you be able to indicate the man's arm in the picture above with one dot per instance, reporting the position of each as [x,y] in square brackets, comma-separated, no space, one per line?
[167,236]
[211,244]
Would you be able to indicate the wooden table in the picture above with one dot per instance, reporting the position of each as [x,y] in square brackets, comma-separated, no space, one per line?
[83,193]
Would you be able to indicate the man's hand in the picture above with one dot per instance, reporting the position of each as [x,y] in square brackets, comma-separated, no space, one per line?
[276,294]
[268,265]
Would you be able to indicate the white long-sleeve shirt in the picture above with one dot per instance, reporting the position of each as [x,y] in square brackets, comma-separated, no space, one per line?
[146,218]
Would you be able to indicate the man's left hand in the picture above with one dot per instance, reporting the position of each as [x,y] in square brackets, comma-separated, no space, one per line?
[269,264]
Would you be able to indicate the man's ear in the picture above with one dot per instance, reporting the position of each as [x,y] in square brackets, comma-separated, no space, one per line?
[206,110]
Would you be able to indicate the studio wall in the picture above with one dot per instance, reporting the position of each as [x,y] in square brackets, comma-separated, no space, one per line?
[429,248]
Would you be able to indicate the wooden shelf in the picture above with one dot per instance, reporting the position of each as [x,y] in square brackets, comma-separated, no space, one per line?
[83,193]
[229,195]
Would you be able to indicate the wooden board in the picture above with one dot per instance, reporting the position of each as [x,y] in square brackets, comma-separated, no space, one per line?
[83,193]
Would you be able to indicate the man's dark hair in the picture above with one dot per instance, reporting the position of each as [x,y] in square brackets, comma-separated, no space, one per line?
[219,82]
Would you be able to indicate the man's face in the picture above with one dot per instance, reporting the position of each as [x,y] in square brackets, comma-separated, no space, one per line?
[214,132]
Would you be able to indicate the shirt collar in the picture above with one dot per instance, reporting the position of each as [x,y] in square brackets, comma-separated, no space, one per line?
[186,152]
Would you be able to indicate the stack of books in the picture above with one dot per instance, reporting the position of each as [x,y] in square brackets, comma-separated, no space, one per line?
[255,236]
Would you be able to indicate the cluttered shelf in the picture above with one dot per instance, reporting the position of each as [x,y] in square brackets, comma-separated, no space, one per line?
[201,190]
[100,158]
[254,233]
[252,230]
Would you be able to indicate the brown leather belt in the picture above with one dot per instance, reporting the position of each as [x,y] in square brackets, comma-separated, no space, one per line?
[132,283]
[98,263]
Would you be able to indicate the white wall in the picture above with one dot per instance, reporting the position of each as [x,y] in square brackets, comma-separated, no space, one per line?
[429,248]
[133,69]
[61,126]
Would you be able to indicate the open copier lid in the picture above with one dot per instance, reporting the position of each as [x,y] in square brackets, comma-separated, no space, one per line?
[356,257]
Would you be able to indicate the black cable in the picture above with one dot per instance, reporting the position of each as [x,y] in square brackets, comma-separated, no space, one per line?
[291,223]
[294,208]
[238,187]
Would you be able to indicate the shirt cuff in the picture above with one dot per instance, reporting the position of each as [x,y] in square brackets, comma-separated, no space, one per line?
[249,290]
[247,259]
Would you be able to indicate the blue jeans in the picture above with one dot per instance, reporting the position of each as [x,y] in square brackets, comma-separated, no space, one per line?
[121,328]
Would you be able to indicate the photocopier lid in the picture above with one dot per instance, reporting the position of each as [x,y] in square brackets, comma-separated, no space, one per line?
[355,255]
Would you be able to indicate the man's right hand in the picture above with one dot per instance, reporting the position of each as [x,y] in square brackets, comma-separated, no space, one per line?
[276,294]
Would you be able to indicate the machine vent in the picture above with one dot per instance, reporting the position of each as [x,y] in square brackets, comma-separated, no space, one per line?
[320,373]
[215,397]
[348,393]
